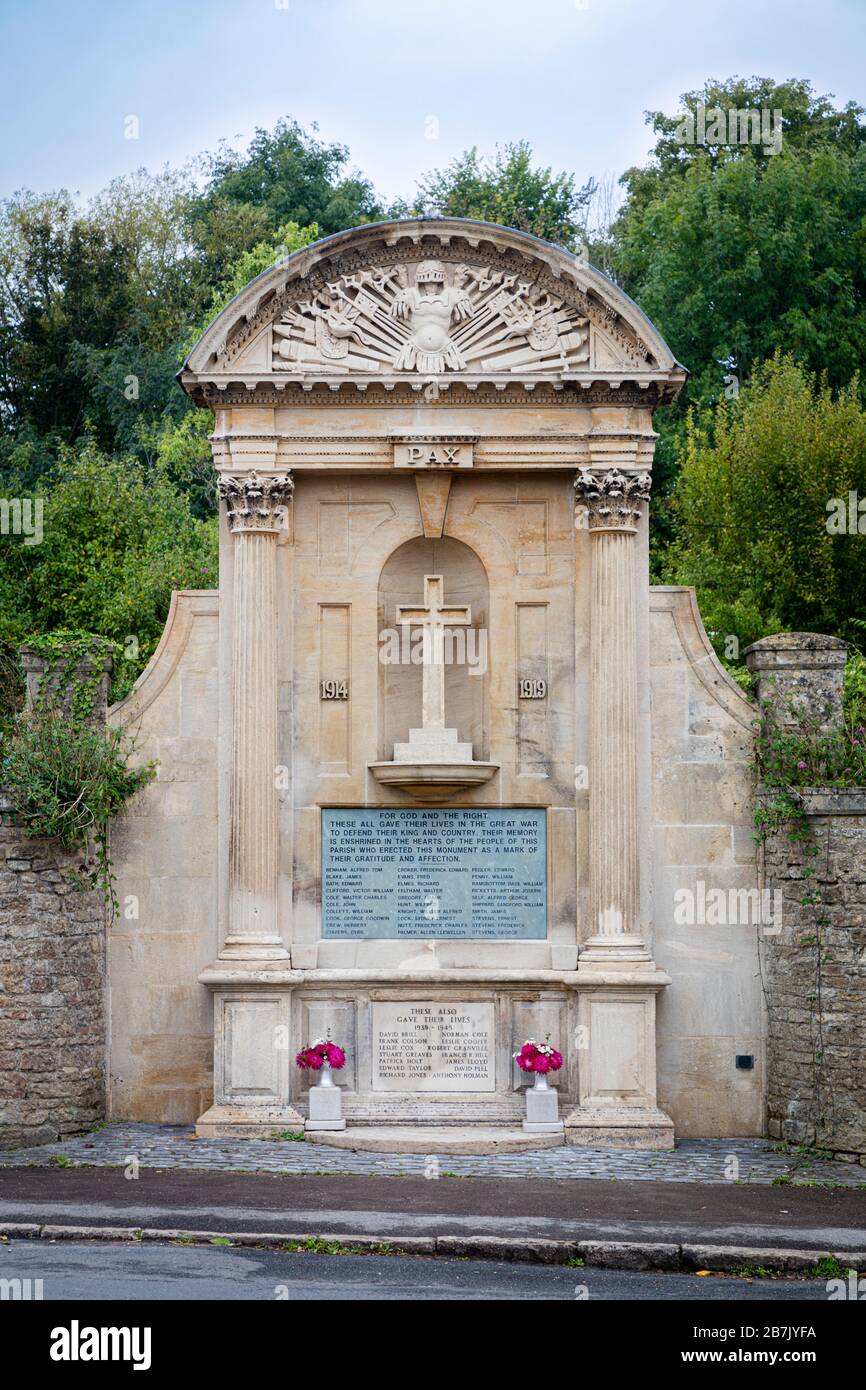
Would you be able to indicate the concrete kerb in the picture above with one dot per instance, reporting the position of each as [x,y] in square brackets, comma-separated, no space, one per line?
[625,1255]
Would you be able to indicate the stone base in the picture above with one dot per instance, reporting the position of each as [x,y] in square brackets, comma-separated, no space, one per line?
[247,1121]
[433,745]
[624,949]
[619,1127]
[325,1108]
[542,1112]
[451,1139]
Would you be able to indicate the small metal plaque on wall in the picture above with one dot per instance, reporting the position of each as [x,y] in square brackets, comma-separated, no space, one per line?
[334,690]
[532,689]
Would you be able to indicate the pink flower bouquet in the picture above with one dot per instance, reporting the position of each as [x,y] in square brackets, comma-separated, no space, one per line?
[318,1053]
[534,1056]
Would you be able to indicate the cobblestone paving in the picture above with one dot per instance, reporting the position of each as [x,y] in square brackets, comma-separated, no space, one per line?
[693,1160]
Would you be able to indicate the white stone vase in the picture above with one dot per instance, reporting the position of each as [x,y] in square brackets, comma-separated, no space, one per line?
[326,1103]
[542,1107]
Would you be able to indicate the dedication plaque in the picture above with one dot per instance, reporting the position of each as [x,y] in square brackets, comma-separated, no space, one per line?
[434,874]
[433,1047]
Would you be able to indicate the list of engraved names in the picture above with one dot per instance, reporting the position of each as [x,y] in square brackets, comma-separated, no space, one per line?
[434,873]
[433,1047]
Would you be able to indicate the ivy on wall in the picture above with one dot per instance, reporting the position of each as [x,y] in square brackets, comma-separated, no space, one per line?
[65,775]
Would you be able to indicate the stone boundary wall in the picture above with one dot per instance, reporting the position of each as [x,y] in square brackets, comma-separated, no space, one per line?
[52,992]
[815,979]
[53,1025]
[814,964]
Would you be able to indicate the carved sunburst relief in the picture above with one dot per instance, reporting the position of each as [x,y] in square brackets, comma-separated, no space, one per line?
[431,318]
[459,303]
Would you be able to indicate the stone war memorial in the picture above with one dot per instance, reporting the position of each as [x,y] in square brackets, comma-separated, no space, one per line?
[436,762]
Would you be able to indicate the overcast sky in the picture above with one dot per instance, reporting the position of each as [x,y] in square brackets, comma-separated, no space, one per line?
[573,77]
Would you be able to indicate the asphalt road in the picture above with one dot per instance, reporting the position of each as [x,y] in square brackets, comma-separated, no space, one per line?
[585,1209]
[133,1272]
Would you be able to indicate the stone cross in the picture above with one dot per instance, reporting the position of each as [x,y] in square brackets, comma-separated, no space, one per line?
[433,616]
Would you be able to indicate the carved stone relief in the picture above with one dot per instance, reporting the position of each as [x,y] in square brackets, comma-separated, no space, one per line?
[430,318]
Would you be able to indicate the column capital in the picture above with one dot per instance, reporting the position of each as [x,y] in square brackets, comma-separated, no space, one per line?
[255,501]
[614,500]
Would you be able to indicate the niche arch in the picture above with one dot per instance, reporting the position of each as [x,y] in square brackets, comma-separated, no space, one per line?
[467,674]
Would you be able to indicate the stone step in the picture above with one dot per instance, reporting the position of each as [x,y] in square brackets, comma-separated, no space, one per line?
[415,1111]
[450,1139]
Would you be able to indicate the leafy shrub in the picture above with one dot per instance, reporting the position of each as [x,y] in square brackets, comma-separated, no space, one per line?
[804,754]
[66,779]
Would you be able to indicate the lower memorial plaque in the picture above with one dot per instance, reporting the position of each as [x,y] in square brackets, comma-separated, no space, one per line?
[434,873]
[433,1047]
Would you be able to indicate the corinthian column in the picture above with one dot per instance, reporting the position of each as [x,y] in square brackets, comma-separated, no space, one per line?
[616,503]
[254,518]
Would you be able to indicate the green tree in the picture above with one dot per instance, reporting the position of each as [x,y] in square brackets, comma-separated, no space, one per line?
[99,302]
[262,256]
[284,175]
[507,189]
[63,291]
[736,253]
[94,303]
[807,120]
[757,507]
[117,539]
[130,379]
[181,452]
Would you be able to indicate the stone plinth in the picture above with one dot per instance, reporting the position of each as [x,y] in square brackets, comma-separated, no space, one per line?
[433,765]
[799,673]
[49,682]
[542,1111]
[433,745]
[620,1127]
[325,1112]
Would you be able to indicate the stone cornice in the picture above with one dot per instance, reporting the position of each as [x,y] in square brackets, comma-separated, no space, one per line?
[626,389]
[222,973]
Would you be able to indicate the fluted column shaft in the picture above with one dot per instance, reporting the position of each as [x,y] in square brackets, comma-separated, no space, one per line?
[616,503]
[613,736]
[254,516]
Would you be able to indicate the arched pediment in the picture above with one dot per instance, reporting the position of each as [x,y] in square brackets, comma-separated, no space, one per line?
[437,299]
